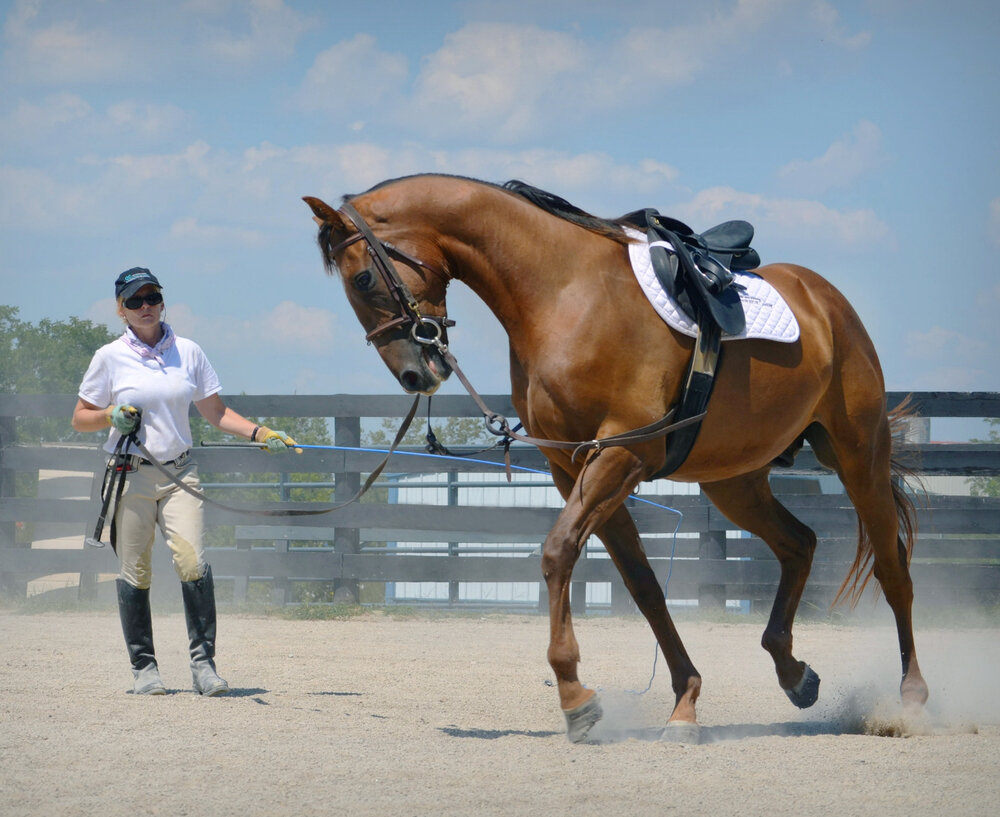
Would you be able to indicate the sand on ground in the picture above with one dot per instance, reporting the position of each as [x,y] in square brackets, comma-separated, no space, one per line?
[456,715]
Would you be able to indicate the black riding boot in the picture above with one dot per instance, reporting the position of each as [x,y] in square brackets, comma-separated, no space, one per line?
[199,609]
[137,626]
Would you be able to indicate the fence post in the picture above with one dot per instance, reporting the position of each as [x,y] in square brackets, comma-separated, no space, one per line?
[9,582]
[346,433]
[711,545]
[452,546]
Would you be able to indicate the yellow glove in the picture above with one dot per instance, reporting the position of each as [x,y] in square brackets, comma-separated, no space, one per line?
[275,442]
[125,418]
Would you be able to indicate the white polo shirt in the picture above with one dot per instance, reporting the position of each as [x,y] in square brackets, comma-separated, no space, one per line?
[118,374]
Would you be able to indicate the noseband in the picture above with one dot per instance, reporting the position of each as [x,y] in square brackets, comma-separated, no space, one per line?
[409,310]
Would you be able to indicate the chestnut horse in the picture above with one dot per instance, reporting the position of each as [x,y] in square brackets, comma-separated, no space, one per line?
[589,359]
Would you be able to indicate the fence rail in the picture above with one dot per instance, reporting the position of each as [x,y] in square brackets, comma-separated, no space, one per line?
[356,549]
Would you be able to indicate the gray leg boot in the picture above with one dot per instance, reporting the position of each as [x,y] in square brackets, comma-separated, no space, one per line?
[199,610]
[137,626]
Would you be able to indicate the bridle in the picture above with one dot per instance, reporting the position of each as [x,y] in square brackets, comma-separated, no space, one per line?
[409,310]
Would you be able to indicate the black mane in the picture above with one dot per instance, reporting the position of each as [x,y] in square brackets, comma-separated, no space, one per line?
[558,206]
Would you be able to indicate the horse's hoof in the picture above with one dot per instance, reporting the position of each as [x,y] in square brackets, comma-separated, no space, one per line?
[681,732]
[581,719]
[806,691]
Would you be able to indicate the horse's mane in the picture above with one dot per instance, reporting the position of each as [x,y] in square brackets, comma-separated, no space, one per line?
[558,206]
[549,202]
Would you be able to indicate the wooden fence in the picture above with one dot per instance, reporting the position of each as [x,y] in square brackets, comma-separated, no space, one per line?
[357,549]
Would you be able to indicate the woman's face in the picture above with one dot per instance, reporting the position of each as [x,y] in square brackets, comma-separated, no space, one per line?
[144,315]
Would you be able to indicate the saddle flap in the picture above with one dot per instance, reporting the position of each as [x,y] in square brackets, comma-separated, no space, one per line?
[725,307]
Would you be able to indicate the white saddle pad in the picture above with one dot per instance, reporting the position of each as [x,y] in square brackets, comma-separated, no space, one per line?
[768,316]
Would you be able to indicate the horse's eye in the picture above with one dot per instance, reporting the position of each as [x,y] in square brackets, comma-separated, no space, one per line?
[364,281]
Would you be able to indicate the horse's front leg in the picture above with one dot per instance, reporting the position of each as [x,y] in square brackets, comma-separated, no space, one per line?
[601,488]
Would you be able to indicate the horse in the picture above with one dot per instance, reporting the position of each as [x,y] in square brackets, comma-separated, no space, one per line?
[590,359]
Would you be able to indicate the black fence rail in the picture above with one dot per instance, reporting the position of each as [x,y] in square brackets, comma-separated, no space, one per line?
[365,549]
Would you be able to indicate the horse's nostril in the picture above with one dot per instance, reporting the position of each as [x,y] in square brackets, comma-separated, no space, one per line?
[410,380]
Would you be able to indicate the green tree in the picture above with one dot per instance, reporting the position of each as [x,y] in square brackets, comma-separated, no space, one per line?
[48,358]
[452,432]
[268,486]
[306,430]
[987,486]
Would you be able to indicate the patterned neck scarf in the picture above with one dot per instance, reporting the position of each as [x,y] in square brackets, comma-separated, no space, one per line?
[153,352]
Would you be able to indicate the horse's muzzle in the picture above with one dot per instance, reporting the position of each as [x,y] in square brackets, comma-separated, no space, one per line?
[428,372]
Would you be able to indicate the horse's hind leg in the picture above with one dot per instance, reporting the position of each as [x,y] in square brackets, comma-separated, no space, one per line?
[862,456]
[747,501]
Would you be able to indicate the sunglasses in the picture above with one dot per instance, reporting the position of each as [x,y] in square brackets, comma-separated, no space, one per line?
[153,298]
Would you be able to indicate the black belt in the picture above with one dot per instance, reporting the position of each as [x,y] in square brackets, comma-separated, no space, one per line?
[134,461]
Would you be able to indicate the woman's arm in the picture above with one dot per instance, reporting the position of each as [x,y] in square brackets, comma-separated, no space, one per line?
[224,418]
[88,417]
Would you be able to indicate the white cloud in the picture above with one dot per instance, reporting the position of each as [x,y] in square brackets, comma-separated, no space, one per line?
[353,167]
[939,344]
[192,231]
[146,119]
[274,31]
[74,43]
[798,219]
[62,51]
[947,359]
[34,200]
[509,80]
[34,119]
[350,73]
[827,19]
[62,122]
[308,329]
[140,169]
[847,159]
[287,326]
[496,76]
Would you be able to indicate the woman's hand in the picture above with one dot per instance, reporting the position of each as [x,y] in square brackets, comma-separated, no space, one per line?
[275,442]
[125,418]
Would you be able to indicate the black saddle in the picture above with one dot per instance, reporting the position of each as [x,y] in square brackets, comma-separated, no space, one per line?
[697,273]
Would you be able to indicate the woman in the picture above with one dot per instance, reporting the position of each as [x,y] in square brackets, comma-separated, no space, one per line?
[147,379]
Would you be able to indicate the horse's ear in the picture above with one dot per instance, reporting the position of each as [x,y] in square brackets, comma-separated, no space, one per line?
[323,213]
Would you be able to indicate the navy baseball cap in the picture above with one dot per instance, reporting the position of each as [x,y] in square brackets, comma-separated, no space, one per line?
[132,280]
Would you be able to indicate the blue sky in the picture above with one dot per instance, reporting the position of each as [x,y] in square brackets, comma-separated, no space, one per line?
[860,138]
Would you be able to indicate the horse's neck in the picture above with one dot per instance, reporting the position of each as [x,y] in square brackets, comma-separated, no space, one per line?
[517,271]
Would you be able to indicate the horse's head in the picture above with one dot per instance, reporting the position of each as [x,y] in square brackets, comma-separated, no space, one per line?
[396,286]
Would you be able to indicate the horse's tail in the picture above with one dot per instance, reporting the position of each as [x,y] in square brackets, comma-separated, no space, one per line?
[863,567]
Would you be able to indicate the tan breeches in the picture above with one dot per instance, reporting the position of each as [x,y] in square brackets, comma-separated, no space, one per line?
[151,500]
